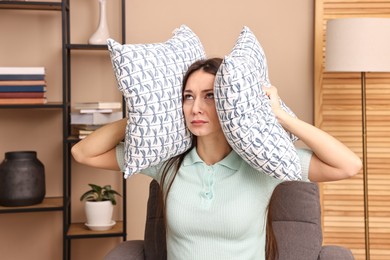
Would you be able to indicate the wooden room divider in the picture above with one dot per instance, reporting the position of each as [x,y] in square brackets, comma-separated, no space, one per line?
[338,111]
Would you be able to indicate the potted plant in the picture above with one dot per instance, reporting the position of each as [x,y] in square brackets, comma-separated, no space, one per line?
[99,205]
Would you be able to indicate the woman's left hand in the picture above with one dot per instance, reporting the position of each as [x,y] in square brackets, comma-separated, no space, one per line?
[331,159]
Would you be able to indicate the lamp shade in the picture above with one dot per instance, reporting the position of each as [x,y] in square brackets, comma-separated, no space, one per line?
[358,45]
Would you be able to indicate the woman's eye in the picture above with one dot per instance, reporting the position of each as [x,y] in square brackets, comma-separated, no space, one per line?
[210,96]
[188,97]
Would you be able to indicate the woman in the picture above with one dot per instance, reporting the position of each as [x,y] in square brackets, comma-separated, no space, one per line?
[215,203]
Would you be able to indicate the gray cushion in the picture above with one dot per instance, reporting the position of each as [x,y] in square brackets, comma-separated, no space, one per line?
[133,250]
[335,252]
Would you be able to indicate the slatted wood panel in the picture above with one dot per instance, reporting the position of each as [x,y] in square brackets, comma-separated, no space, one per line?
[338,111]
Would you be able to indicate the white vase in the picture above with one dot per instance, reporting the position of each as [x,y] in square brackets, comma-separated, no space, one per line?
[101,34]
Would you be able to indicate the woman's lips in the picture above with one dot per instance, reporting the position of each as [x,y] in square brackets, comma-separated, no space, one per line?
[198,122]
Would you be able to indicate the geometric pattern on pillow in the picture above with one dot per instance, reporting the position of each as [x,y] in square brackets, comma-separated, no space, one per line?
[150,79]
[247,45]
[247,120]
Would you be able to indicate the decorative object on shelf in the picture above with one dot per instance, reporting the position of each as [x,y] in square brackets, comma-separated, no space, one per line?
[22,179]
[101,34]
[99,206]
[359,45]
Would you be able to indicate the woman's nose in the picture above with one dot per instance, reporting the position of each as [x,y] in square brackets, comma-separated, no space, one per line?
[197,106]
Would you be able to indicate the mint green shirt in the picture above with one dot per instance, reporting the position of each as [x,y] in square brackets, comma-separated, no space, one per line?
[218,211]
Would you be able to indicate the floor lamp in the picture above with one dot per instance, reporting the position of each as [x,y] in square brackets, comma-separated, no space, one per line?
[359,45]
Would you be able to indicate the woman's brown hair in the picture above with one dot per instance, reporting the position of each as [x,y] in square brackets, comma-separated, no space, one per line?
[271,247]
[173,165]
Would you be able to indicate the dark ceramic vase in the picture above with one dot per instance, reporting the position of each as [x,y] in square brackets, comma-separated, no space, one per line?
[22,179]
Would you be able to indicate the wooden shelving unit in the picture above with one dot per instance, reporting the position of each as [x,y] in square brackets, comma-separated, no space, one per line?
[48,204]
[79,230]
[50,105]
[31,5]
[70,230]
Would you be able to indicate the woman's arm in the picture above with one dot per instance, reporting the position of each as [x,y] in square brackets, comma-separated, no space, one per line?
[98,148]
[331,159]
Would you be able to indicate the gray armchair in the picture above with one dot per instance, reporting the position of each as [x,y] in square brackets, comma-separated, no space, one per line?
[296,221]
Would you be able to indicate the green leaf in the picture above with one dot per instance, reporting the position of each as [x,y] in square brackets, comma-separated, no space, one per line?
[98,193]
[89,195]
[96,188]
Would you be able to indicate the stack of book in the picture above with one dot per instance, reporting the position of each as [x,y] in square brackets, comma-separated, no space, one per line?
[89,116]
[22,85]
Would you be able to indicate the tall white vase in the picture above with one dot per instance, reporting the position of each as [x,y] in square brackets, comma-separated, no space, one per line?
[102,34]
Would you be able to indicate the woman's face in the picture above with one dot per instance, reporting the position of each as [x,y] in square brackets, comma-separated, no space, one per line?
[199,105]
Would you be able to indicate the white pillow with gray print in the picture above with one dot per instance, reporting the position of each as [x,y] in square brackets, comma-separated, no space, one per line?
[150,79]
[245,112]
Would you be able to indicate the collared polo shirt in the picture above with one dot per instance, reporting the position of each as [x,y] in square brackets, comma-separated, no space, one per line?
[218,211]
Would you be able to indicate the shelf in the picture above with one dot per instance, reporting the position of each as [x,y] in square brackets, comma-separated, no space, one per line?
[49,105]
[21,5]
[48,204]
[86,47]
[79,230]
[72,139]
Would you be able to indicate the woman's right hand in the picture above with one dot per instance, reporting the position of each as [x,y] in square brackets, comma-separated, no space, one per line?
[331,159]
[99,148]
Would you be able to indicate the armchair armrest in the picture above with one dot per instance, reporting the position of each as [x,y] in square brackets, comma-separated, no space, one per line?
[335,252]
[132,250]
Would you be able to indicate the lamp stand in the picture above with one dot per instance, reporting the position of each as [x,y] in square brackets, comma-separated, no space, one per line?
[365,175]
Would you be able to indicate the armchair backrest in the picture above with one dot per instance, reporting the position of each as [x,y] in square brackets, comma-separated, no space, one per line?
[295,213]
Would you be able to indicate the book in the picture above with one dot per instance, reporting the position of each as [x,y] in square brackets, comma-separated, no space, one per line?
[22,70]
[85,132]
[98,105]
[77,130]
[22,94]
[22,82]
[94,118]
[24,101]
[38,88]
[22,77]
[86,111]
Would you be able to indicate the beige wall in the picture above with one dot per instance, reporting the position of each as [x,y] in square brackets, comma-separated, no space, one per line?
[32,38]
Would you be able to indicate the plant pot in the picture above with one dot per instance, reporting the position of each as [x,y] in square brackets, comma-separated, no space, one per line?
[22,179]
[99,215]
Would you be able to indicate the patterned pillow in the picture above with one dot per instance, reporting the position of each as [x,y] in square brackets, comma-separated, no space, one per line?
[246,115]
[150,79]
